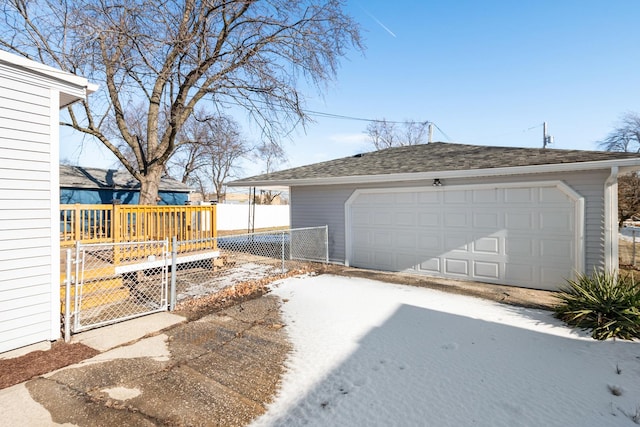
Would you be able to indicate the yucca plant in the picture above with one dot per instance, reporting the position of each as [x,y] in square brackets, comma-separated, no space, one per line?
[606,304]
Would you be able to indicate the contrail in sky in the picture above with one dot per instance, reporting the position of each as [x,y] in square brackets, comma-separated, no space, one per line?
[378,22]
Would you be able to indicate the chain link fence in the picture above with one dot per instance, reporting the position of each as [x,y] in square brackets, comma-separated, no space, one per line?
[629,246]
[107,283]
[247,257]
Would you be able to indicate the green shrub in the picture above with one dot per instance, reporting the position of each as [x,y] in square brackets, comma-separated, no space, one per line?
[605,303]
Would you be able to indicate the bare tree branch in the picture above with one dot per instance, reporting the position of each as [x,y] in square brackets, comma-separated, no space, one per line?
[167,58]
[384,134]
[625,137]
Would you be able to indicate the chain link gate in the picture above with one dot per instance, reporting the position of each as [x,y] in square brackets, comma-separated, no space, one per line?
[115,282]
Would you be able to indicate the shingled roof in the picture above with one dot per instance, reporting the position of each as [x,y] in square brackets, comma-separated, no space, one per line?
[96,179]
[437,158]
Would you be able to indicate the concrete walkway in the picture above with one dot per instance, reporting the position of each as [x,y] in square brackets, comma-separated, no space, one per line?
[220,370]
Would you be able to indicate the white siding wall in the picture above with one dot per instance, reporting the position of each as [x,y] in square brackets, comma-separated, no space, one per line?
[324,205]
[27,259]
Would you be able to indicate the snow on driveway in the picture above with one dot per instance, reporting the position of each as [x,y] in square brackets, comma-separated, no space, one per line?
[368,353]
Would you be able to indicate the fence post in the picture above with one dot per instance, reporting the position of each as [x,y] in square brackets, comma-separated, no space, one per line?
[67,297]
[76,303]
[174,264]
[633,252]
[326,244]
[282,252]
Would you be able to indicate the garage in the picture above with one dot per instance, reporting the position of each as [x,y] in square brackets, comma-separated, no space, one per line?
[519,235]
[527,217]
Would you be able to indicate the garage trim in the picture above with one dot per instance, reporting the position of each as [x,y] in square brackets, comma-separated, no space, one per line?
[561,186]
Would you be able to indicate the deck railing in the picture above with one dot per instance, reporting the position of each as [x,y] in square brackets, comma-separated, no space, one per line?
[194,226]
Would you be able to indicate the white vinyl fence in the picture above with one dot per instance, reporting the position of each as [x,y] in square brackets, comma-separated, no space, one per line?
[236,217]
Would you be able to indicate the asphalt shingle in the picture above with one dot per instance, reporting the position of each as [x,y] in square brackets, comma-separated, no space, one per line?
[437,156]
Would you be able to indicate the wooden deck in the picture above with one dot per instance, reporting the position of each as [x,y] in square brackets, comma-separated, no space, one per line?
[118,228]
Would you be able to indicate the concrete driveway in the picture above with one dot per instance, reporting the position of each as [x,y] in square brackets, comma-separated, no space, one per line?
[220,370]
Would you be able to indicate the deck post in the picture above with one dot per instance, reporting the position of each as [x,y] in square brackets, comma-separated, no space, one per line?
[78,222]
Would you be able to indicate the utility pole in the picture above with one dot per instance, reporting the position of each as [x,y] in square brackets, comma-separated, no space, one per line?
[546,139]
[430,140]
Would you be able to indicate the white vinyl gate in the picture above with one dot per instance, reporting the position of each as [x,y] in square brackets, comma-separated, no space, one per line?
[522,235]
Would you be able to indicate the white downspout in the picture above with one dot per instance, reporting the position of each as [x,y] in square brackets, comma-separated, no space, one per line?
[611,222]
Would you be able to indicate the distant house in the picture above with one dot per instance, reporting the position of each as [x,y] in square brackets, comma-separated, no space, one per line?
[104,186]
[31,95]
[515,216]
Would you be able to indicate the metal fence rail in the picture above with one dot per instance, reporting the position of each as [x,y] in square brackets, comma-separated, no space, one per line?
[111,282]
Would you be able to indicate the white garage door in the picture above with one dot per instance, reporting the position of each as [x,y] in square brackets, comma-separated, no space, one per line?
[522,236]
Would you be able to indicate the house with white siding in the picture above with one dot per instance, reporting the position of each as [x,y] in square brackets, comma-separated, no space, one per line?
[31,96]
[514,216]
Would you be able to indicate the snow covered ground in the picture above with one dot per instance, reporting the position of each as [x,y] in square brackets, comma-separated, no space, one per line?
[368,353]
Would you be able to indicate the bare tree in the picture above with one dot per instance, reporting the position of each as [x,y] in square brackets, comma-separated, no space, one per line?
[172,55]
[272,156]
[386,134]
[208,155]
[226,147]
[628,197]
[625,137]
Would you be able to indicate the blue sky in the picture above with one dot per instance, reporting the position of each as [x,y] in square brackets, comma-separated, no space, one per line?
[487,73]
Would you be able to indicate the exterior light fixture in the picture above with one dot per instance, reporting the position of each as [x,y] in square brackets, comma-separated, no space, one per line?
[437,183]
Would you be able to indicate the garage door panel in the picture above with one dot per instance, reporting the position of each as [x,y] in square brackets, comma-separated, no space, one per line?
[405,240]
[455,196]
[511,235]
[429,197]
[550,276]
[519,195]
[430,265]
[405,261]
[456,243]
[556,220]
[382,239]
[486,270]
[382,218]
[488,245]
[485,196]
[430,242]
[361,237]
[521,273]
[456,266]
[406,219]
[521,246]
[456,219]
[552,195]
[555,249]
[404,198]
[523,220]
[360,216]
[429,219]
[486,219]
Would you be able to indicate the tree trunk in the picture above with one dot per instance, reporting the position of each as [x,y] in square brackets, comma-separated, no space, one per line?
[149,185]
